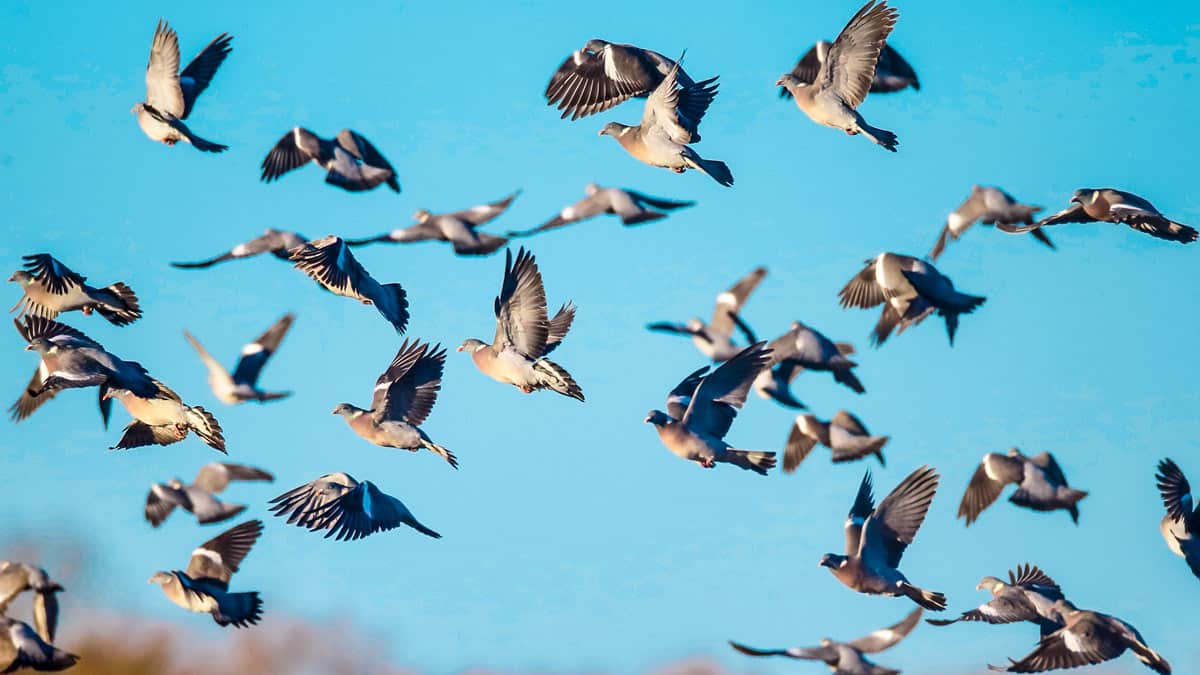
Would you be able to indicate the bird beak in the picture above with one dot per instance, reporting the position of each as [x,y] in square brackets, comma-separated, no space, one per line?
[459,348]
[647,420]
[13,277]
[602,132]
[108,393]
[333,412]
[28,348]
[979,587]
[779,82]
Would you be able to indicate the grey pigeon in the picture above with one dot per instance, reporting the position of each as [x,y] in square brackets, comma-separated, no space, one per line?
[1041,485]
[1181,526]
[715,339]
[458,228]
[71,360]
[171,95]
[633,208]
[603,74]
[204,586]
[200,498]
[242,385]
[1029,595]
[1086,638]
[16,578]
[670,123]
[701,408]
[346,508]
[21,647]
[1108,205]
[847,658]
[163,419]
[876,538]
[990,206]
[403,397]
[330,263]
[909,290]
[65,337]
[892,72]
[349,160]
[525,334]
[804,348]
[845,435]
[49,288]
[278,243]
[846,75]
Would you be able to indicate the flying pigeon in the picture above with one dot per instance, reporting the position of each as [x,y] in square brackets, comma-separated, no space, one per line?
[242,385]
[200,498]
[350,161]
[171,95]
[847,658]
[50,288]
[1107,205]
[278,243]
[204,586]
[1041,485]
[990,206]
[634,208]
[345,507]
[845,435]
[330,263]
[715,339]
[458,228]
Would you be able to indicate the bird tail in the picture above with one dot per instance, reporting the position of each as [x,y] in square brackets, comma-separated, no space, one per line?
[125,313]
[206,427]
[441,450]
[58,660]
[881,137]
[754,460]
[557,378]
[965,304]
[203,145]
[272,396]
[1072,496]
[928,599]
[238,609]
[716,169]
[847,377]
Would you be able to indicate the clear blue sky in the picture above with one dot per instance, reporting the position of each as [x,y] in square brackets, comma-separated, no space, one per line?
[573,540]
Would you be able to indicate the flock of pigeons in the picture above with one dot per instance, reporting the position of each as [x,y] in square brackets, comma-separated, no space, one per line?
[828,84]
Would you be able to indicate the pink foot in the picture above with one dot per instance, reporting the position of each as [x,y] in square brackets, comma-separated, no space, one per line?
[87,310]
[707,463]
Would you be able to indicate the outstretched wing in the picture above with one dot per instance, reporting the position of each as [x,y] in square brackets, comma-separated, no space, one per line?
[218,558]
[199,73]
[717,398]
[521,320]
[255,354]
[894,524]
[849,69]
[887,637]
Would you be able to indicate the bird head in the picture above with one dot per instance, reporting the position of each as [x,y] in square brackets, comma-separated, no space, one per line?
[160,578]
[695,324]
[1083,194]
[591,189]
[175,484]
[614,129]
[990,584]
[790,82]
[471,346]
[22,277]
[40,345]
[658,418]
[595,45]
[826,642]
[344,409]
[832,560]
[421,215]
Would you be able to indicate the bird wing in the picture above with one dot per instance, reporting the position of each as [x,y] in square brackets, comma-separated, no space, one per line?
[272,241]
[680,397]
[560,324]
[1007,607]
[862,291]
[54,276]
[215,476]
[846,420]
[139,434]
[297,148]
[1176,493]
[864,505]
[478,215]
[731,301]
[13,581]
[409,388]
[161,500]
[1047,463]
[1072,214]
[218,558]
[163,91]
[45,614]
[199,73]
[1031,577]
[983,490]
[215,369]
[805,70]
[521,320]
[303,505]
[891,62]
[1085,643]
[894,523]
[887,637]
[657,202]
[809,653]
[255,354]
[849,68]
[588,207]
[362,149]
[716,400]
[329,262]
[800,443]
[590,82]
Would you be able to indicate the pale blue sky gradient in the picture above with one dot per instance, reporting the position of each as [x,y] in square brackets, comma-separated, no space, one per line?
[573,540]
